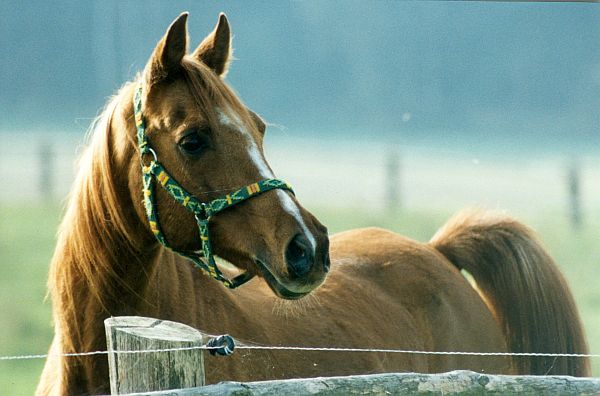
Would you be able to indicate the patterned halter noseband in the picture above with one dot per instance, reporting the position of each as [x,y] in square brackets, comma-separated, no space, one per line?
[202,211]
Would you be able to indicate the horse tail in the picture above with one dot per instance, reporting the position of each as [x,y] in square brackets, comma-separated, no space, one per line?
[523,287]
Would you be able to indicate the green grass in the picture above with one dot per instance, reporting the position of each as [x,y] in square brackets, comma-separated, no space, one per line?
[27,241]
[26,245]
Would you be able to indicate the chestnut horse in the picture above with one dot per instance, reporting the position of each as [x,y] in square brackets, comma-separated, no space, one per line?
[383,290]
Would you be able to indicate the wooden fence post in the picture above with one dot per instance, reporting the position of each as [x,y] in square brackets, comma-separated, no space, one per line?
[152,371]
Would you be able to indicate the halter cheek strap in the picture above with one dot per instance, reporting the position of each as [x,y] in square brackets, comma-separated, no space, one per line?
[203,211]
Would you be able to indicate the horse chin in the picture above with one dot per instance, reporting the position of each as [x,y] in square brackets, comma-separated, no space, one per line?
[278,287]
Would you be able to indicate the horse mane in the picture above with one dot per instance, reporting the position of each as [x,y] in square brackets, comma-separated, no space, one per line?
[95,231]
[90,232]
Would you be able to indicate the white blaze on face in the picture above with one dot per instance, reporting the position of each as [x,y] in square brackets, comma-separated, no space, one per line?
[265,172]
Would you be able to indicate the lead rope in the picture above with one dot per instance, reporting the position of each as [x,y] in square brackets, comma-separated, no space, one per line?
[202,211]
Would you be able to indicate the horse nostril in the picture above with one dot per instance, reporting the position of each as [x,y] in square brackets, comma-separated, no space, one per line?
[326,263]
[298,256]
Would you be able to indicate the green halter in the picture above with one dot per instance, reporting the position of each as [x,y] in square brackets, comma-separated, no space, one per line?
[203,211]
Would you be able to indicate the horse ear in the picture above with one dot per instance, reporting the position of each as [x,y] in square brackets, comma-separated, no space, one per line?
[215,50]
[166,59]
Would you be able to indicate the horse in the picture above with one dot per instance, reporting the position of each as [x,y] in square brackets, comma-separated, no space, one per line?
[130,242]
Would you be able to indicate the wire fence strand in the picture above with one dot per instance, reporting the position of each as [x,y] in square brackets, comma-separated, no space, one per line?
[306,349]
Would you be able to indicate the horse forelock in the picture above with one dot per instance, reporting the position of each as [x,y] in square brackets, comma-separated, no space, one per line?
[215,97]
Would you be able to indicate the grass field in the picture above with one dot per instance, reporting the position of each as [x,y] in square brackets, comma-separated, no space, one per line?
[27,241]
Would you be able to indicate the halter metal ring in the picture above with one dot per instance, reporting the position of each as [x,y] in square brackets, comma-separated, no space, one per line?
[203,215]
[151,151]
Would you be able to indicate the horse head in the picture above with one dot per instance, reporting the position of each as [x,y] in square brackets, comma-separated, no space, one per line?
[212,145]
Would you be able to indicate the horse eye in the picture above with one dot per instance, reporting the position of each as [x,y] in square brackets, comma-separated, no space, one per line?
[193,144]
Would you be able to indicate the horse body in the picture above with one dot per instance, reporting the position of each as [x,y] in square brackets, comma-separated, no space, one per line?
[383,290]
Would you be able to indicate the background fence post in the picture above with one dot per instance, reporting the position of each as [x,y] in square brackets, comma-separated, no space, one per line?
[46,164]
[152,371]
[392,181]
[574,186]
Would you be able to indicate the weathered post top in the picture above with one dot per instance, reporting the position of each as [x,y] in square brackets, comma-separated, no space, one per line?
[132,371]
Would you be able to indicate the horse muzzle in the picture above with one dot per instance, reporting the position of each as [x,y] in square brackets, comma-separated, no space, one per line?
[306,268]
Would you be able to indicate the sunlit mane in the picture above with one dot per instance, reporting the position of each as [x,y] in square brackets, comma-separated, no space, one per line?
[93,231]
